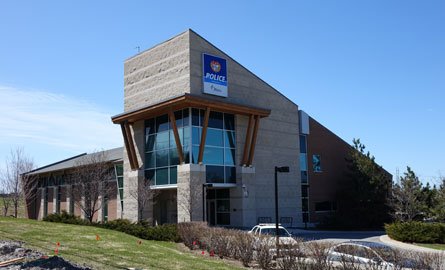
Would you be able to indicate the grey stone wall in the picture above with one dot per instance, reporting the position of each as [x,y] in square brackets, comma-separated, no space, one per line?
[158,73]
[189,192]
[243,199]
[278,135]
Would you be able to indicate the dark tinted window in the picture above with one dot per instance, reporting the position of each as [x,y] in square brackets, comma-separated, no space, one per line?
[304,176]
[216,120]
[229,121]
[162,176]
[303,144]
[304,191]
[150,126]
[162,123]
[150,142]
[150,160]
[195,117]
[178,117]
[215,174]
[230,174]
[173,175]
[185,117]
[223,193]
[223,218]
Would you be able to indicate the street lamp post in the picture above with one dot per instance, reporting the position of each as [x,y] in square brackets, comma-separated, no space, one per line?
[284,169]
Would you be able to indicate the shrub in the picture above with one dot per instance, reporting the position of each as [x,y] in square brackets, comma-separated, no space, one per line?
[264,252]
[223,242]
[243,246]
[293,257]
[64,217]
[122,225]
[318,251]
[416,232]
[191,233]
[167,232]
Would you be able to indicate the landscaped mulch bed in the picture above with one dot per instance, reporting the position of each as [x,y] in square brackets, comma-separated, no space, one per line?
[24,258]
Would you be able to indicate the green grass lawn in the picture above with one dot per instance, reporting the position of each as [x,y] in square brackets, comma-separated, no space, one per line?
[115,250]
[433,246]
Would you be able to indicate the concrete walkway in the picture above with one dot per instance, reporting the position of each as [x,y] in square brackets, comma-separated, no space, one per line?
[397,244]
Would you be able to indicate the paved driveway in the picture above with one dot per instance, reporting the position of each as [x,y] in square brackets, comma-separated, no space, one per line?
[344,236]
[337,236]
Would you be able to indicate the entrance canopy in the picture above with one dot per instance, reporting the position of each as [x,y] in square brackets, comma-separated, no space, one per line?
[127,119]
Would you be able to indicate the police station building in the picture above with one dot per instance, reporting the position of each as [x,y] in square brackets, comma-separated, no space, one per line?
[208,134]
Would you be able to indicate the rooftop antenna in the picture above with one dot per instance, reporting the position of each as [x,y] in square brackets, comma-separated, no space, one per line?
[138,48]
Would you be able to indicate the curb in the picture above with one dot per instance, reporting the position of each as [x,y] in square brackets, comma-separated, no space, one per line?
[387,240]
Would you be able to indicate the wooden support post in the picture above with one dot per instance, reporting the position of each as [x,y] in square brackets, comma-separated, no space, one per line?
[247,141]
[176,134]
[254,136]
[203,135]
[129,145]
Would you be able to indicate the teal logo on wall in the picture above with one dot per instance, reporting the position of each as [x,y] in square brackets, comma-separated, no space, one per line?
[214,75]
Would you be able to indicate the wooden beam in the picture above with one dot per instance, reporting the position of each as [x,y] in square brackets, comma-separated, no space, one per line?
[203,135]
[188,100]
[131,151]
[254,136]
[11,261]
[177,139]
[126,143]
[247,141]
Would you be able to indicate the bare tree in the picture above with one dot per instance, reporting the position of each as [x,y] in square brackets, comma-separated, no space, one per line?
[6,201]
[143,193]
[90,183]
[17,184]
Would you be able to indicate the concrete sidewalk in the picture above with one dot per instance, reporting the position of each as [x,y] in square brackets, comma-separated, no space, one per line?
[397,244]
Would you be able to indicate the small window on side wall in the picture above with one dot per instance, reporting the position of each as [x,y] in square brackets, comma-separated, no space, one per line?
[316,163]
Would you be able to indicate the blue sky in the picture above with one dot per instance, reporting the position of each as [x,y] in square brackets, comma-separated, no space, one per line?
[373,70]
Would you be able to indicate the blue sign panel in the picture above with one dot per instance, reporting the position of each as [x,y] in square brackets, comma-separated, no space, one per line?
[214,75]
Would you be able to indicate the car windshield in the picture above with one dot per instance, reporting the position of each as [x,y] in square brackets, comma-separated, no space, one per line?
[271,231]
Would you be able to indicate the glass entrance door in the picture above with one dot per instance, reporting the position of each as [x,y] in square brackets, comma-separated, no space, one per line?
[211,212]
[218,207]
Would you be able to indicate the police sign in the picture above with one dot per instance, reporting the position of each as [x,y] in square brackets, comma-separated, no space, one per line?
[214,75]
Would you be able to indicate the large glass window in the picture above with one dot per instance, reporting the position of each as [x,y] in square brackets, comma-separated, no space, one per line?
[316,163]
[161,153]
[303,159]
[220,144]
[119,168]
[304,178]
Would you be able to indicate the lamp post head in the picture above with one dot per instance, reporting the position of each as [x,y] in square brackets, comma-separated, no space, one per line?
[284,169]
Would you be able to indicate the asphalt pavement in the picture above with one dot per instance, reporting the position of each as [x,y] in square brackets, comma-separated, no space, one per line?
[337,236]
[344,236]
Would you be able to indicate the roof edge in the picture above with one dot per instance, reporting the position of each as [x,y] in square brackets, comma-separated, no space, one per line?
[248,70]
[55,163]
[157,44]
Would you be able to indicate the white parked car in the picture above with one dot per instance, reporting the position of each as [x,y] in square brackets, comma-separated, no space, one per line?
[379,255]
[268,229]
